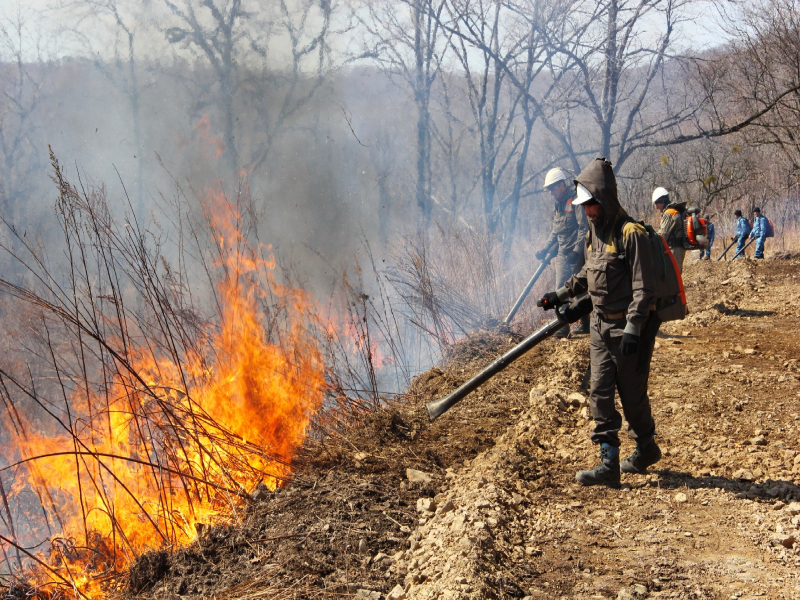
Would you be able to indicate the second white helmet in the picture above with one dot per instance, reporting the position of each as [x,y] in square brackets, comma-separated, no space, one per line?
[659,193]
[554,176]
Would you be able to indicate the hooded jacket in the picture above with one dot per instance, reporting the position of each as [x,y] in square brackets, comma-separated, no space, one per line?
[618,280]
[672,227]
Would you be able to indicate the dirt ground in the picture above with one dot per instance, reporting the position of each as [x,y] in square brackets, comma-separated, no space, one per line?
[482,503]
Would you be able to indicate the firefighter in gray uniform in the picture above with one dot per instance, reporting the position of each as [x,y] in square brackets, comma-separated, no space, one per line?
[569,230]
[621,285]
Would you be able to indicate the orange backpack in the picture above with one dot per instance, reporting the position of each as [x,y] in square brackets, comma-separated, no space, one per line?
[696,229]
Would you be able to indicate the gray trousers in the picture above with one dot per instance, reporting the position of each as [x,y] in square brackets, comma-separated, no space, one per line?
[679,253]
[626,374]
[566,269]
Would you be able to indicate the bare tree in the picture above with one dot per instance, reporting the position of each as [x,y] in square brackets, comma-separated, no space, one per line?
[761,64]
[507,94]
[627,80]
[125,22]
[241,42]
[408,41]
[24,69]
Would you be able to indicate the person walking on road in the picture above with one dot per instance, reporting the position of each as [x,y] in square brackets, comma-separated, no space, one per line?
[706,252]
[743,229]
[672,227]
[621,284]
[569,230]
[759,233]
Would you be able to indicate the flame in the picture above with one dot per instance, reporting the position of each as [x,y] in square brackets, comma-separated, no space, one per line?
[164,445]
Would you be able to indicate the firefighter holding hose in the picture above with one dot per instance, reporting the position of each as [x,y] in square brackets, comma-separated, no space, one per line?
[621,285]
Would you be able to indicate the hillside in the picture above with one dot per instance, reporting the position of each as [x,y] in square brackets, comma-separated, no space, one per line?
[482,503]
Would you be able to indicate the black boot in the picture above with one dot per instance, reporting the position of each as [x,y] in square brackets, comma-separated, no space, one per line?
[607,472]
[562,333]
[647,453]
[582,328]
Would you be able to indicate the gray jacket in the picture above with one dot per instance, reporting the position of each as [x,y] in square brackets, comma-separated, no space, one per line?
[569,227]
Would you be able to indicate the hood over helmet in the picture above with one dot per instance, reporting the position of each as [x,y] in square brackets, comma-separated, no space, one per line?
[598,178]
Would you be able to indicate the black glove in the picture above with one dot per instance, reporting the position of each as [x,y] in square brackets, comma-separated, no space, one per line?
[549,301]
[540,254]
[734,238]
[629,345]
[576,309]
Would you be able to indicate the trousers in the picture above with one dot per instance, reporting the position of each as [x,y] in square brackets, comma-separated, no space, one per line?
[760,247]
[612,372]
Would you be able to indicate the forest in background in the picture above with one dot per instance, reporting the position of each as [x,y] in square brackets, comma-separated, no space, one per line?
[408,139]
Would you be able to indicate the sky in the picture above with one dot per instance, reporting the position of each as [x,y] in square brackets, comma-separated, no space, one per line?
[702,30]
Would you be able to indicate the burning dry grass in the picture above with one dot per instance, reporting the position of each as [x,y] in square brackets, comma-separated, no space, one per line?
[142,410]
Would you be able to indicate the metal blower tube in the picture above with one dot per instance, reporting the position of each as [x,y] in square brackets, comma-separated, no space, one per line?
[551,252]
[438,407]
[726,250]
[741,252]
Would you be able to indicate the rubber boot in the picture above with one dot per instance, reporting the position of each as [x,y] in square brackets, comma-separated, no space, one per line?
[607,472]
[647,453]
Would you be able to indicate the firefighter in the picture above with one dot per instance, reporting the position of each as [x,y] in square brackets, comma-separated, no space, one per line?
[569,230]
[759,233]
[621,285]
[743,229]
[672,226]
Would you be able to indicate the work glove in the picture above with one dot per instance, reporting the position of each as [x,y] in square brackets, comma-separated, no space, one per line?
[549,301]
[734,238]
[540,254]
[577,309]
[629,345]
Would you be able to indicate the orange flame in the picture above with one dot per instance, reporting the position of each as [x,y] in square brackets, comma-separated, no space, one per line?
[169,444]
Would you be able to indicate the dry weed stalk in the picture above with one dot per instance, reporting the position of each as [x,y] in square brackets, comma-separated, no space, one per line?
[458,283]
[109,446]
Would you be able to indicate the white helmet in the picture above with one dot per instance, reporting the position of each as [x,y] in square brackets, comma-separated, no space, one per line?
[659,193]
[554,176]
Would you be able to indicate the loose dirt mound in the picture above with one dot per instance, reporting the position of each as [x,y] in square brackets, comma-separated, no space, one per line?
[482,503]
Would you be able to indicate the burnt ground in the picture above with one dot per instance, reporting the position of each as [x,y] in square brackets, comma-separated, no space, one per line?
[495,511]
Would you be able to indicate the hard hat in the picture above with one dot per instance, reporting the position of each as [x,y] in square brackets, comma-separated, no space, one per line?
[554,176]
[659,193]
[583,195]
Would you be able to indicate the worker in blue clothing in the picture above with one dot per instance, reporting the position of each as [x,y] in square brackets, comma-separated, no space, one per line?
[759,233]
[743,229]
[706,252]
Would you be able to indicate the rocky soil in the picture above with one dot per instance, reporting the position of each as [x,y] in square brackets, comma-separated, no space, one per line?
[482,503]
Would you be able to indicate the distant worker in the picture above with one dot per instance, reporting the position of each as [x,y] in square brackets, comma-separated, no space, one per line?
[761,231]
[569,230]
[706,252]
[672,227]
[621,284]
[743,229]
